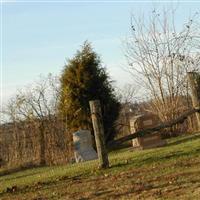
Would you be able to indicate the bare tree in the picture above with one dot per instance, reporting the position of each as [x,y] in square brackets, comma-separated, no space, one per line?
[127,98]
[160,53]
[127,94]
[36,101]
[38,104]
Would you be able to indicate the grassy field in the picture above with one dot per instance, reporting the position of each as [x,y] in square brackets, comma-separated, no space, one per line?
[170,172]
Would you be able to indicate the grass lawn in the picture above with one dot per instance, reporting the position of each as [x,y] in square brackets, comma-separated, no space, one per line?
[170,172]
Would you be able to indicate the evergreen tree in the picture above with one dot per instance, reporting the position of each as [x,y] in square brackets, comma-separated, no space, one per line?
[84,79]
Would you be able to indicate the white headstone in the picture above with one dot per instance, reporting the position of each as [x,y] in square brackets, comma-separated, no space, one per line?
[83,149]
[135,141]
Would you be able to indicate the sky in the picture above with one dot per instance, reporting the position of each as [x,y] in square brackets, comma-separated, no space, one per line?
[38,37]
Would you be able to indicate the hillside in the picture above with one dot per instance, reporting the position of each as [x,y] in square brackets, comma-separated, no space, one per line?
[170,172]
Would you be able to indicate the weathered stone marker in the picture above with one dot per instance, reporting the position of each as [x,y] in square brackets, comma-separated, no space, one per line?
[83,149]
[194,81]
[97,122]
[141,122]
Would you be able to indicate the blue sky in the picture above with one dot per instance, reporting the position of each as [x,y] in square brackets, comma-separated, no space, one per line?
[39,37]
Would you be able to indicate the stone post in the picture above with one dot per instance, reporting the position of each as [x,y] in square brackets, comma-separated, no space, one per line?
[194,81]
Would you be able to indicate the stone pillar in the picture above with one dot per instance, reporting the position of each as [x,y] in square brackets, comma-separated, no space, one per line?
[135,141]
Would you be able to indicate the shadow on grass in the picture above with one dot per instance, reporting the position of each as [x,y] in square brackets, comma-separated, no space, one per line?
[18,169]
[155,158]
[20,176]
[183,140]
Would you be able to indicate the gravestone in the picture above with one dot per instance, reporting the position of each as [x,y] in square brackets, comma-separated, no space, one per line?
[141,122]
[83,149]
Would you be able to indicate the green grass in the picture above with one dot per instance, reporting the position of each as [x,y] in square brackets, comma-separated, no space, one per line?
[170,172]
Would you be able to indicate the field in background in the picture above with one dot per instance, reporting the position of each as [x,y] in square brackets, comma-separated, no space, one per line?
[170,172]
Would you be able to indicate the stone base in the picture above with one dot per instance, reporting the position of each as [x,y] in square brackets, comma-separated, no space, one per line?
[89,154]
[149,141]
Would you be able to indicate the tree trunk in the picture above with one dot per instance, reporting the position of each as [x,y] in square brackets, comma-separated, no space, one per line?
[42,145]
[97,122]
